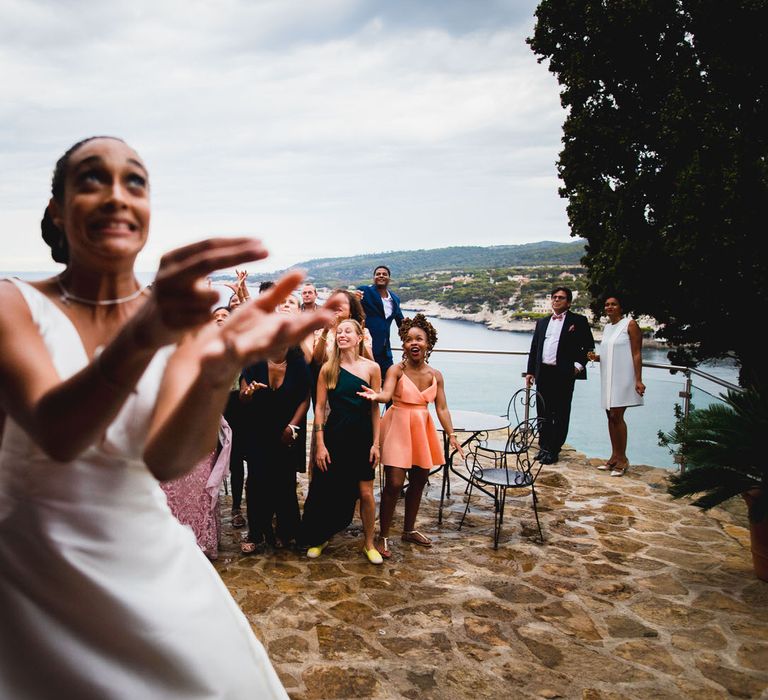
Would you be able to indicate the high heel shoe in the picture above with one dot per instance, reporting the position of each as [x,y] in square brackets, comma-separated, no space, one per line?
[620,470]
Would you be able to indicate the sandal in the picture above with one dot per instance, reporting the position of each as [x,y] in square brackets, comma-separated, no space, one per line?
[415,537]
[608,466]
[238,520]
[384,549]
[247,547]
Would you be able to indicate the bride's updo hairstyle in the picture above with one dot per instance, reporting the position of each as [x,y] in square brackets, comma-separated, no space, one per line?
[52,234]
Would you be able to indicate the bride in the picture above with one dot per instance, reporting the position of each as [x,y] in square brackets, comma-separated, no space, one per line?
[107,392]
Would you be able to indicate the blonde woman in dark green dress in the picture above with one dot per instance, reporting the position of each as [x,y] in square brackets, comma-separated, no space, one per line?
[347,446]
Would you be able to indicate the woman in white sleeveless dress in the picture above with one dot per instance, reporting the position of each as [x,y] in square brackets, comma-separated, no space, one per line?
[621,377]
[103,593]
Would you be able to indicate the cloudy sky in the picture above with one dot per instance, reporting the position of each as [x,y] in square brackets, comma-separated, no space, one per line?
[325,127]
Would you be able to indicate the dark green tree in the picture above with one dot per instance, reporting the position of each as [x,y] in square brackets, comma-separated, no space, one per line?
[664,161]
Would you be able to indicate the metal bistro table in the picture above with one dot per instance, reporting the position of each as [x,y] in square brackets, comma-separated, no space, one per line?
[472,423]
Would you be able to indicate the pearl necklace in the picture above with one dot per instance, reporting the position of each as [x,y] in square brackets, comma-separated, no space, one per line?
[67,296]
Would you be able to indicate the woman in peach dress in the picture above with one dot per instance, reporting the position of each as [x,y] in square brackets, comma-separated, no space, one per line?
[409,440]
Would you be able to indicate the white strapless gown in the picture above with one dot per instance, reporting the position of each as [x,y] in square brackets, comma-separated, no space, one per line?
[103,594]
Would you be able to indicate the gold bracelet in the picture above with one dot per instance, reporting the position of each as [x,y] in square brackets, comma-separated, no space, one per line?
[317,428]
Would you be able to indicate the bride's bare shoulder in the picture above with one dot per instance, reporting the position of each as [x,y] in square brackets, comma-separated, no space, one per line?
[12,301]
[9,291]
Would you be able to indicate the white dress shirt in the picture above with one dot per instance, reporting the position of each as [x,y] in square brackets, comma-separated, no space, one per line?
[552,340]
[388,304]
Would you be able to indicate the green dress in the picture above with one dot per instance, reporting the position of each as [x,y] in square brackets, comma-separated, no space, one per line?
[333,494]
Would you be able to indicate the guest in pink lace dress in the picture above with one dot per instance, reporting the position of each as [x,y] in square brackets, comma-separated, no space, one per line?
[194,498]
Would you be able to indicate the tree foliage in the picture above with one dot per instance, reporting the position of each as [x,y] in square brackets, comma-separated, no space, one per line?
[664,160]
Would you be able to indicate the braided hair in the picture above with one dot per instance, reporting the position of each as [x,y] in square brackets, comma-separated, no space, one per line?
[419,321]
[52,234]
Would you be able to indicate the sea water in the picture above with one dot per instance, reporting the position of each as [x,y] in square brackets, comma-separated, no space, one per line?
[486,382]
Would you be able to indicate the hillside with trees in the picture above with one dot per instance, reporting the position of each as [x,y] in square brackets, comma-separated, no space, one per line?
[406,264]
[512,290]
[467,279]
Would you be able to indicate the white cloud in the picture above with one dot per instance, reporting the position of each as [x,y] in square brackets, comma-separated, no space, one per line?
[329,128]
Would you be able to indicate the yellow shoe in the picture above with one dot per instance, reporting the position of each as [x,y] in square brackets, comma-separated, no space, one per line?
[373,555]
[315,552]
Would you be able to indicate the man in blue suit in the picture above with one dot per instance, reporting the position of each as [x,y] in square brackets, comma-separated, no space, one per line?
[381,308]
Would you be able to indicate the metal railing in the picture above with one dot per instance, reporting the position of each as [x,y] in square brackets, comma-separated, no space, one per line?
[686,394]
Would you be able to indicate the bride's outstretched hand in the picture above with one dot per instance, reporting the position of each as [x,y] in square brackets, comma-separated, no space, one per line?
[181,300]
[256,331]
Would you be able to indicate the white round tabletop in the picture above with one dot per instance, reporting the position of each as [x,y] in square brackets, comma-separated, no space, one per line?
[475,422]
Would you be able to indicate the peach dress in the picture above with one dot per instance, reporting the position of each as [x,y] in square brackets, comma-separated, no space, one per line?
[408,434]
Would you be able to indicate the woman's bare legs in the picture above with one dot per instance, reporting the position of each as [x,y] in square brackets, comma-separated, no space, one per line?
[417,479]
[617,430]
[394,478]
[367,512]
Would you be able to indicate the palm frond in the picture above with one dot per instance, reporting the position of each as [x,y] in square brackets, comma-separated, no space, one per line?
[701,479]
[723,449]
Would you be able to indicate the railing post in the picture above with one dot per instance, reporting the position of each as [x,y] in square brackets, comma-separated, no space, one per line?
[527,399]
[685,395]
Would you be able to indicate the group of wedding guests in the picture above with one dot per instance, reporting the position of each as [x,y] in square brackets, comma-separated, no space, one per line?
[334,370]
[265,425]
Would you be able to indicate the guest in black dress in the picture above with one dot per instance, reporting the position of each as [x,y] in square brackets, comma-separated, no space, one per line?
[233,414]
[276,398]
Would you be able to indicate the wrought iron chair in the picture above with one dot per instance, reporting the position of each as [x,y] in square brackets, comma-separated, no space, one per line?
[517,473]
[520,408]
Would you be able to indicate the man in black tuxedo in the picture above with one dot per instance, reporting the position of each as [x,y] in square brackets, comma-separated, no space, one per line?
[381,307]
[557,358]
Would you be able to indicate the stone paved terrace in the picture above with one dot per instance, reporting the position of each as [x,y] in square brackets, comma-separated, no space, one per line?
[631,596]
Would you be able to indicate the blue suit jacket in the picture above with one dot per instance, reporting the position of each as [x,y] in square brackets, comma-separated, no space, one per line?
[378,325]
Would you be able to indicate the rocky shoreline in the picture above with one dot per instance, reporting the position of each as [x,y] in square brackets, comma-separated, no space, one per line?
[494,320]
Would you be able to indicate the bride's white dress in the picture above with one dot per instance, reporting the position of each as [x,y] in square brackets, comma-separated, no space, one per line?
[103,594]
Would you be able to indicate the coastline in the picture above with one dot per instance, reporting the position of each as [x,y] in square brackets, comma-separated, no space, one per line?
[494,320]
